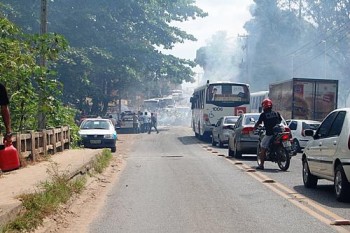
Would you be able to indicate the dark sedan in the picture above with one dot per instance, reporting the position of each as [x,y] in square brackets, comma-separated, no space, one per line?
[242,139]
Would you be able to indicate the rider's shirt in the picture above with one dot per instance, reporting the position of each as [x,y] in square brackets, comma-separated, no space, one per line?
[270,119]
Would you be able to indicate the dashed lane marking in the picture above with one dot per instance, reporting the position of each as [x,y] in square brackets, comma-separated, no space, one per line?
[311,207]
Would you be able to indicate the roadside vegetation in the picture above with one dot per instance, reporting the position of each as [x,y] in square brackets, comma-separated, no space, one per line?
[91,61]
[50,195]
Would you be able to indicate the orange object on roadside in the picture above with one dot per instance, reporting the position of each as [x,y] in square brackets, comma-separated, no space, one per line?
[9,159]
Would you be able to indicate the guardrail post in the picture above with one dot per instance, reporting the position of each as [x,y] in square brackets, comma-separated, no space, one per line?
[62,139]
[32,137]
[19,144]
[54,140]
[44,141]
[68,137]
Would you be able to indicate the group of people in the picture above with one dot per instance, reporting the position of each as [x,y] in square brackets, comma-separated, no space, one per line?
[145,122]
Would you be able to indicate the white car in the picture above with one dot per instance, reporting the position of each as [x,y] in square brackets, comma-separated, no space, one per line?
[298,128]
[98,133]
[222,130]
[327,155]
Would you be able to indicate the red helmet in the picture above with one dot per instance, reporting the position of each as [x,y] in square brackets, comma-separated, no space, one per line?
[266,103]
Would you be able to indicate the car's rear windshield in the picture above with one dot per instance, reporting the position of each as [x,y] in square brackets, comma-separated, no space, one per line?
[95,124]
[230,120]
[312,126]
[251,119]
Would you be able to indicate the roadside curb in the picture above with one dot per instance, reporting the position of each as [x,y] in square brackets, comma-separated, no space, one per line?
[9,211]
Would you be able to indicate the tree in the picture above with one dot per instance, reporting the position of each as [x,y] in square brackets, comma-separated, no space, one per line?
[129,31]
[21,74]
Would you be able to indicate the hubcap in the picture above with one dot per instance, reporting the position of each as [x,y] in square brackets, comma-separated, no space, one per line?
[338,183]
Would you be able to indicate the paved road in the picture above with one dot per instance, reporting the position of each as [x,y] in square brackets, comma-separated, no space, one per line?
[173,182]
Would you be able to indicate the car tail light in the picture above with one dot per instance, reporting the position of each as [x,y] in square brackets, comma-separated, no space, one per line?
[303,132]
[285,137]
[247,130]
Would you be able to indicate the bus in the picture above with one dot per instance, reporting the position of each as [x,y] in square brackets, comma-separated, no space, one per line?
[166,102]
[214,100]
[256,99]
[151,105]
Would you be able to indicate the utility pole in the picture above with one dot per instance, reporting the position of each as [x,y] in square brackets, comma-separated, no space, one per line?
[245,47]
[43,30]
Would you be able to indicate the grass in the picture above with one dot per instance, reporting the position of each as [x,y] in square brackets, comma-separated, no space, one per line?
[51,195]
[102,161]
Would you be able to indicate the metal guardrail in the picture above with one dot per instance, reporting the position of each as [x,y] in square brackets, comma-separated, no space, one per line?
[49,141]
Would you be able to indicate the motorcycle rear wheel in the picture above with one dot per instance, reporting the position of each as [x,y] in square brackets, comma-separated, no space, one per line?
[258,160]
[283,158]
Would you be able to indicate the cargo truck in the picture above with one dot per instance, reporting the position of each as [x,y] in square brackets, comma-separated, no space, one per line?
[304,98]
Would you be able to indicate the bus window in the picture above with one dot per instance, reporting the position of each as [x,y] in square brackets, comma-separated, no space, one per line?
[228,93]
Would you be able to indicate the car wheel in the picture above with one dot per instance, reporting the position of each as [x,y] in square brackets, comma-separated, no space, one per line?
[310,181]
[113,149]
[341,184]
[231,153]
[238,154]
[213,142]
[221,145]
[296,145]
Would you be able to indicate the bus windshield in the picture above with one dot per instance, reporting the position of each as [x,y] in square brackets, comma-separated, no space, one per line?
[151,104]
[228,93]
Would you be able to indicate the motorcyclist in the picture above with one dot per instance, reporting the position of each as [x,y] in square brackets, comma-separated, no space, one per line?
[270,119]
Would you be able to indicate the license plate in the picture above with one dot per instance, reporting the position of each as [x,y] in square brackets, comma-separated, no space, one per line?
[95,141]
[286,144]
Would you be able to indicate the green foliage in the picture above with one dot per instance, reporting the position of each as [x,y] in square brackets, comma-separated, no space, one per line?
[103,160]
[113,49]
[31,87]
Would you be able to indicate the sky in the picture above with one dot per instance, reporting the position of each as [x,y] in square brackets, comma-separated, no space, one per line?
[223,15]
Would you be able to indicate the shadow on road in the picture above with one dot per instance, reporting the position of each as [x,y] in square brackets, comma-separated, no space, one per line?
[324,194]
[188,140]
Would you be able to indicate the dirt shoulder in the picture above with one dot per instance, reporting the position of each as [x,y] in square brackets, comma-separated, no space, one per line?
[81,210]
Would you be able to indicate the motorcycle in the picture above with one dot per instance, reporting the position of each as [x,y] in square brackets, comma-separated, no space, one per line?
[280,149]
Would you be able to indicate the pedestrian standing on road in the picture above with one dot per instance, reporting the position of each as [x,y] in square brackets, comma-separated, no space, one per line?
[114,122]
[135,123]
[147,121]
[5,113]
[153,123]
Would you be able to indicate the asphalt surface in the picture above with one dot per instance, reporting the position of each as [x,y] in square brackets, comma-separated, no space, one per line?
[173,182]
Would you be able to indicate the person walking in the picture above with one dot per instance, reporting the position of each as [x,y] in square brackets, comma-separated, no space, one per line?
[5,113]
[153,123]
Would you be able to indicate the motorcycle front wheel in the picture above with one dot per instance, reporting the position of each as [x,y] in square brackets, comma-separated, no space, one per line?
[283,158]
